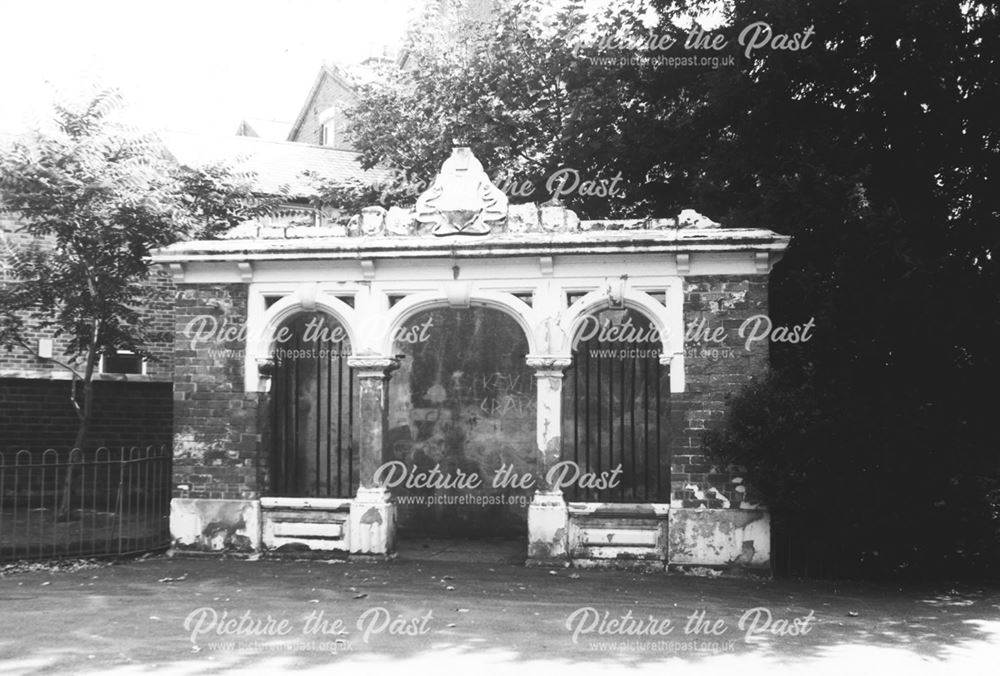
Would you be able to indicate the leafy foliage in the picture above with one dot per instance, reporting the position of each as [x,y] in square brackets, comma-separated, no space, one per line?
[516,92]
[349,195]
[875,151]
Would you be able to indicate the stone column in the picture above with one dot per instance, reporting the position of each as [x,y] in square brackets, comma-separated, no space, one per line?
[547,514]
[373,514]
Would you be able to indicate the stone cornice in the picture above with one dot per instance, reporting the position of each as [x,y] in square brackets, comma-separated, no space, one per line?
[456,247]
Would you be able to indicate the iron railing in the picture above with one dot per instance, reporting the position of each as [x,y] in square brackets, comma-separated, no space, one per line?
[616,410]
[314,413]
[103,502]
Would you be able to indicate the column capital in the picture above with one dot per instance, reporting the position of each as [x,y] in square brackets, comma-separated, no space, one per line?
[372,365]
[265,367]
[548,365]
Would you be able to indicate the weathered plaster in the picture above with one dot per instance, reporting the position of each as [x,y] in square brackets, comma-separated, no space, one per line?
[547,529]
[372,523]
[731,539]
[215,525]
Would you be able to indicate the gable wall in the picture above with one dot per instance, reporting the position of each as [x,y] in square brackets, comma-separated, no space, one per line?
[329,93]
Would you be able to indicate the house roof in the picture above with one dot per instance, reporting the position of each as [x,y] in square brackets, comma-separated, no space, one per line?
[278,165]
[271,130]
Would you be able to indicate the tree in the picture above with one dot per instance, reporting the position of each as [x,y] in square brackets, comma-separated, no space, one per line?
[519,92]
[874,149]
[96,196]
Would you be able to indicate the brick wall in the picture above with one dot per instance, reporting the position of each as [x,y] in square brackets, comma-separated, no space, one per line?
[37,414]
[216,426]
[714,369]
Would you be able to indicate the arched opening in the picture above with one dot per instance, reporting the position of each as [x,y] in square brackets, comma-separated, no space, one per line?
[462,409]
[616,410]
[313,412]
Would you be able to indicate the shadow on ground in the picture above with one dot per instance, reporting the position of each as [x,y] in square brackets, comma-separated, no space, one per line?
[473,606]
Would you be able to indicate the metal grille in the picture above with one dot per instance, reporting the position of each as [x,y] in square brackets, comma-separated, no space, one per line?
[616,403]
[119,502]
[313,414]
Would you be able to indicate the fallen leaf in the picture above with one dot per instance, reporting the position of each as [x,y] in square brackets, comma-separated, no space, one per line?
[174,579]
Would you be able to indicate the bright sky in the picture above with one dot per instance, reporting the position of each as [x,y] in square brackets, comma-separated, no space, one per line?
[182,64]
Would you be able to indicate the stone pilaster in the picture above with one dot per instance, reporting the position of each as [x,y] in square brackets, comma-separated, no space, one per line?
[547,513]
[548,378]
[373,513]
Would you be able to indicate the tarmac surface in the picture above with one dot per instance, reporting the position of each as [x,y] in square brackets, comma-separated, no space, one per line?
[454,607]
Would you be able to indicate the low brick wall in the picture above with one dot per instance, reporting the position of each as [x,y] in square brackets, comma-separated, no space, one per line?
[37,414]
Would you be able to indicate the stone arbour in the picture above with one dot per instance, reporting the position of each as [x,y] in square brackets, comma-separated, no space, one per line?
[544,268]
[220,416]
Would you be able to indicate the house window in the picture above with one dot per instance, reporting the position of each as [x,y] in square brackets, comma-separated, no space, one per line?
[328,133]
[328,127]
[123,362]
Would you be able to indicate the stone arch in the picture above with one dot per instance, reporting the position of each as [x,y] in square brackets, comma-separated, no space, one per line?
[290,305]
[261,344]
[600,299]
[416,303]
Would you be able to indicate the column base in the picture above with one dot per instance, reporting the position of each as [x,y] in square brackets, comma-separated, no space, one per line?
[373,522]
[548,521]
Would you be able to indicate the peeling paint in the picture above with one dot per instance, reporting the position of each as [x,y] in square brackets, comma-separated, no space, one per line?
[553,447]
[734,540]
[372,516]
[215,525]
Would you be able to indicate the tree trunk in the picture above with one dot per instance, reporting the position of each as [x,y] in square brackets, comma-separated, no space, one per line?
[83,415]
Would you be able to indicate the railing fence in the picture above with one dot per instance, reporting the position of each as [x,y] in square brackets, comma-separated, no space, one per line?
[97,502]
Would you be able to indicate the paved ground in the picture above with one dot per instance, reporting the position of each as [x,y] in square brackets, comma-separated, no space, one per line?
[471,609]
